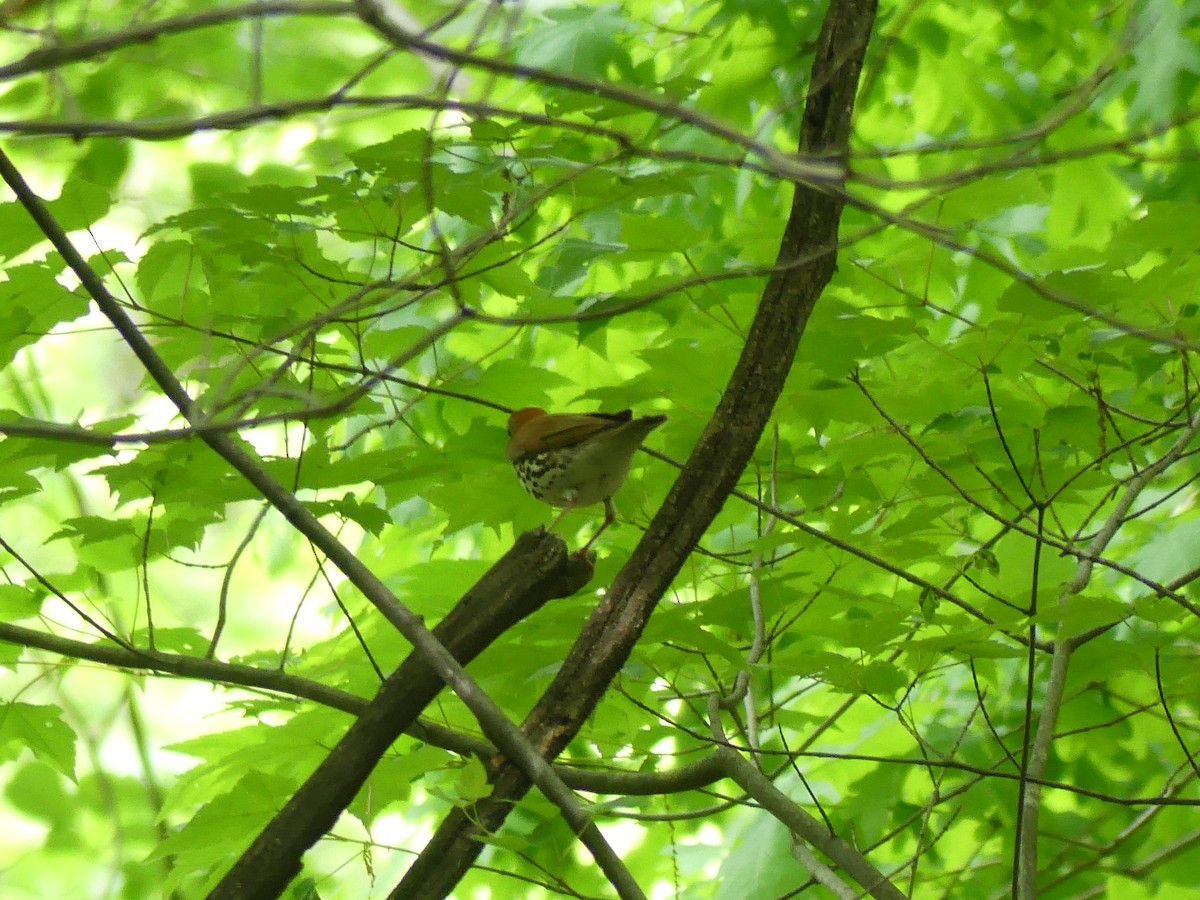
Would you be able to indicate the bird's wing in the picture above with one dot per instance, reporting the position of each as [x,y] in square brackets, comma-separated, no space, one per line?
[553,432]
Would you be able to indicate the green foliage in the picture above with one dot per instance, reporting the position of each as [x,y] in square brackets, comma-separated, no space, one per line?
[986,442]
[42,731]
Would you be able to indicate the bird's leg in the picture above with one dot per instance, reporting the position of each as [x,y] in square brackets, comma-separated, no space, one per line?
[610,516]
[566,509]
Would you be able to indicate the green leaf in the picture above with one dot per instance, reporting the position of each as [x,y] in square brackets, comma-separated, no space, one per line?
[578,40]
[760,856]
[1162,55]
[34,302]
[42,731]
[568,266]
[19,602]
[1083,612]
[221,829]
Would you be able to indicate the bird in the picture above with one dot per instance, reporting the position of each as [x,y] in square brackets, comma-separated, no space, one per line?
[573,460]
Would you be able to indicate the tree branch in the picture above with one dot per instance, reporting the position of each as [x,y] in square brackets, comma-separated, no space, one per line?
[804,826]
[801,168]
[1064,645]
[53,57]
[492,720]
[709,475]
[536,570]
[692,776]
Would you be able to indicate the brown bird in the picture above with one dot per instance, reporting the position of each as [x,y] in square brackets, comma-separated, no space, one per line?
[575,460]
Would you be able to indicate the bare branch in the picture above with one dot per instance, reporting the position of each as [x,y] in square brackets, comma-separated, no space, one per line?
[54,57]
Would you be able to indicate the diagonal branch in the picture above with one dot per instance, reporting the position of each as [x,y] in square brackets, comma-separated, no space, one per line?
[536,570]
[803,826]
[492,720]
[60,55]
[710,474]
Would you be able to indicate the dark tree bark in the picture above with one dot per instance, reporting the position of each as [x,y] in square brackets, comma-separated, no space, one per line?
[806,262]
[536,570]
